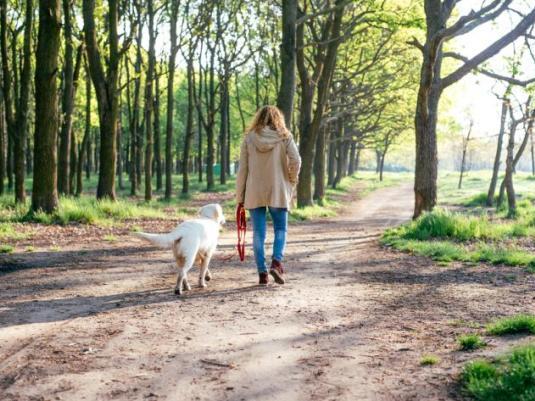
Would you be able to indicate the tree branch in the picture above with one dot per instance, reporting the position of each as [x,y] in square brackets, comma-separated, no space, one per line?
[491,74]
[490,51]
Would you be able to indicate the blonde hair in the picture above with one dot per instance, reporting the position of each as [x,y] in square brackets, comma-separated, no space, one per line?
[269,116]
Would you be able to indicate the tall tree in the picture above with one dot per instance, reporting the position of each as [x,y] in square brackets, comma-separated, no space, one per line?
[319,80]
[171,67]
[21,119]
[44,193]
[105,80]
[285,98]
[149,101]
[7,90]
[67,104]
[438,31]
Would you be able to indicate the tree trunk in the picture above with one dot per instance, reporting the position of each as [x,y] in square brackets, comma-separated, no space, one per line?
[9,117]
[351,167]
[309,131]
[532,156]
[425,177]
[21,119]
[331,165]
[382,165]
[85,141]
[119,153]
[105,84]
[339,152]
[223,85]
[319,166]
[189,128]
[67,103]
[497,157]
[357,158]
[73,161]
[2,143]
[199,147]
[285,98]
[170,102]
[44,193]
[463,159]
[149,102]
[509,169]
[29,160]
[157,136]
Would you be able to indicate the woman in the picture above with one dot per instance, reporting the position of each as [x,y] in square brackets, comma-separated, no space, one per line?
[268,171]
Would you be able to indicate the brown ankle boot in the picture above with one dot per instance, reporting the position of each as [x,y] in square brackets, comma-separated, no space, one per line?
[263,278]
[277,271]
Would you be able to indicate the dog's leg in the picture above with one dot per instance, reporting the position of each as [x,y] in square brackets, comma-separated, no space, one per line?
[204,270]
[208,275]
[181,264]
[188,264]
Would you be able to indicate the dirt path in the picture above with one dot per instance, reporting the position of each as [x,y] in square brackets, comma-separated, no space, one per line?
[99,321]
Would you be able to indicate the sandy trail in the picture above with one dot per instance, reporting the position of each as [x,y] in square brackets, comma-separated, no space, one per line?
[102,323]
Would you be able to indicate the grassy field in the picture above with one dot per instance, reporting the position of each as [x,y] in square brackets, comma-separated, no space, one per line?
[462,229]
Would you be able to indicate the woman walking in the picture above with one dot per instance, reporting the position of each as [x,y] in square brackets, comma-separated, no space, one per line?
[267,175]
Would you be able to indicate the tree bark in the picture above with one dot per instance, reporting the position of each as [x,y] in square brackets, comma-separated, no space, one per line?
[105,84]
[173,49]
[352,151]
[157,136]
[85,141]
[67,104]
[188,137]
[497,157]
[285,98]
[224,118]
[331,165]
[509,169]
[532,155]
[44,193]
[22,117]
[2,143]
[9,117]
[463,159]
[149,102]
[319,166]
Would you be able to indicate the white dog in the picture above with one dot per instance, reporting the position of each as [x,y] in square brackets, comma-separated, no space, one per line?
[192,241]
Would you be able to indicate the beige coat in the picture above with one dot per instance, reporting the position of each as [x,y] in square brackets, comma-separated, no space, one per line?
[268,171]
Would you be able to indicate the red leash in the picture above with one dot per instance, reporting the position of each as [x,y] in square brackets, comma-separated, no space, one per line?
[241,226]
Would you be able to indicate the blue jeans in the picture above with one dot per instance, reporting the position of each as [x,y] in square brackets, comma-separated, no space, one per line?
[280,224]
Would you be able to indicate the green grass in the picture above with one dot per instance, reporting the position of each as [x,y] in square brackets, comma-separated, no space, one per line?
[517,324]
[509,378]
[6,248]
[428,360]
[447,236]
[83,210]
[476,185]
[470,342]
[9,232]
[110,238]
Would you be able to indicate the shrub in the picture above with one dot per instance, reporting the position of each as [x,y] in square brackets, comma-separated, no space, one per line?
[429,360]
[6,249]
[509,379]
[513,325]
[470,342]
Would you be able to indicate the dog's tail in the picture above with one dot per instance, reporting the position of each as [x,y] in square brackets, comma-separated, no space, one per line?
[161,240]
